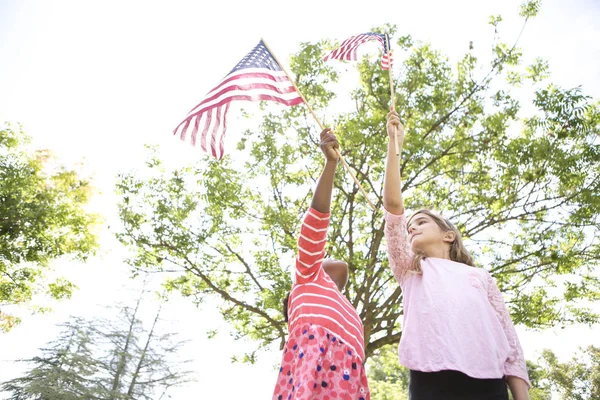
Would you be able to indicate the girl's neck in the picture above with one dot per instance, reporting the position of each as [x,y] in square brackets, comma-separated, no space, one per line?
[438,252]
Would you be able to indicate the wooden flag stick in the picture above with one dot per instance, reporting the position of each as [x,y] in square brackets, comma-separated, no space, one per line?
[393,95]
[362,190]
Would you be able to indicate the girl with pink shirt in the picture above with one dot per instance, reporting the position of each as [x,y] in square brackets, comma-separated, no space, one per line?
[458,339]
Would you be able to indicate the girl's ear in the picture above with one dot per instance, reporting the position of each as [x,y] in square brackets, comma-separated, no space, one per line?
[449,237]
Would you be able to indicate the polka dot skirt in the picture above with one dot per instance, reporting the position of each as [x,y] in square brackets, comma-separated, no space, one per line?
[316,365]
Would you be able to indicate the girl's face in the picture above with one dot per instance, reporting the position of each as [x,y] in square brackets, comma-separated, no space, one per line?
[424,234]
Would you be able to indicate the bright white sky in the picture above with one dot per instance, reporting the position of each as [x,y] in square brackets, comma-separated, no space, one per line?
[96,80]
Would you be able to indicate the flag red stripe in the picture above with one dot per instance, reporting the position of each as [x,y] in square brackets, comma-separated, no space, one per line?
[184,130]
[207,123]
[248,87]
[195,131]
[249,75]
[255,74]
[348,50]
[215,132]
[353,49]
[257,77]
[227,100]
[253,97]
[222,139]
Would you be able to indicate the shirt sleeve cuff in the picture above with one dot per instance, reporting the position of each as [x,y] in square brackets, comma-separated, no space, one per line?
[319,214]
[518,374]
[389,217]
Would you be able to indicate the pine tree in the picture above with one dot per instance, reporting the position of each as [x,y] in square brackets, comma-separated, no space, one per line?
[108,359]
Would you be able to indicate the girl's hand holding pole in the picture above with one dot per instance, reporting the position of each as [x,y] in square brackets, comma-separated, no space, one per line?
[395,129]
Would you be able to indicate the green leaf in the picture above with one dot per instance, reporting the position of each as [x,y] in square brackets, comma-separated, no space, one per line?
[42,217]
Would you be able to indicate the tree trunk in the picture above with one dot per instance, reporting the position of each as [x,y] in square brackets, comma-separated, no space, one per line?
[142,357]
[122,364]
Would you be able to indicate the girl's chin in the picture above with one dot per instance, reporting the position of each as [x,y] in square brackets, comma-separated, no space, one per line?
[415,246]
[414,243]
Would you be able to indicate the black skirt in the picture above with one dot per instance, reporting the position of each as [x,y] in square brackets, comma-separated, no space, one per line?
[454,385]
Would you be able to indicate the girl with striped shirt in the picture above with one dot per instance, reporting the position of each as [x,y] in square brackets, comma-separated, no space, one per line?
[323,356]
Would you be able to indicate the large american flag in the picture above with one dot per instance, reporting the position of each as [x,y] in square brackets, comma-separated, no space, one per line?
[348,49]
[256,77]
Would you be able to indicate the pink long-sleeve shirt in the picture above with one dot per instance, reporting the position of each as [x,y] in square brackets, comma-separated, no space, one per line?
[454,315]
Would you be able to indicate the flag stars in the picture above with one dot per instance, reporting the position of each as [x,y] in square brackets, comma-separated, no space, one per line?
[259,57]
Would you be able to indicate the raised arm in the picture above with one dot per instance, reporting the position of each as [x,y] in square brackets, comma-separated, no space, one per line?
[313,233]
[395,231]
[322,198]
[515,368]
[392,195]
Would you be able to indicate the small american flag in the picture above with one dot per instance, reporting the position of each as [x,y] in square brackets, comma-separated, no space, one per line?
[256,77]
[348,49]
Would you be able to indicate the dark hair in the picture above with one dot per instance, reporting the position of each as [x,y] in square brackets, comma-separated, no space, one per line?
[285,306]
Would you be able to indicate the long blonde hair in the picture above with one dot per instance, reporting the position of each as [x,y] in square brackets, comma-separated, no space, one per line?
[458,252]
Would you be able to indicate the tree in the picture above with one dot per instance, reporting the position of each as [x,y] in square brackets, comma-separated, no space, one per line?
[522,185]
[540,389]
[139,364]
[115,359]
[578,379]
[387,379]
[42,217]
[63,369]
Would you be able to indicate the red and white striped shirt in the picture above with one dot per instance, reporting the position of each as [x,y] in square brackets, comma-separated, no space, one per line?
[315,298]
